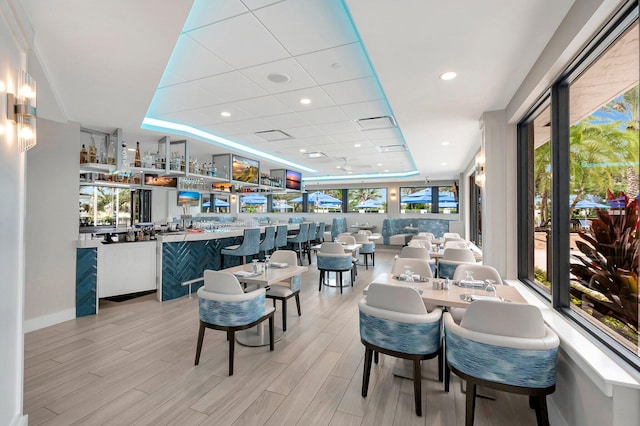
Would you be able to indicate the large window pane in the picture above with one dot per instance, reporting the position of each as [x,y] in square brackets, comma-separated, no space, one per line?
[287,203]
[540,211]
[253,203]
[604,188]
[367,200]
[448,199]
[101,205]
[416,199]
[325,201]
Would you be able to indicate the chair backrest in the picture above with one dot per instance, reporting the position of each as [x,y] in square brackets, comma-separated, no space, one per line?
[221,282]
[338,226]
[320,232]
[347,239]
[479,272]
[395,298]
[504,319]
[451,235]
[429,235]
[458,240]
[421,237]
[415,252]
[364,231]
[361,238]
[455,244]
[420,243]
[301,236]
[311,232]
[269,240]
[250,242]
[330,247]
[459,255]
[285,256]
[418,266]
[281,235]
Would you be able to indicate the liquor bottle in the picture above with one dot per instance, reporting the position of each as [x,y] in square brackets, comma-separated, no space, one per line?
[111,152]
[93,151]
[83,155]
[138,163]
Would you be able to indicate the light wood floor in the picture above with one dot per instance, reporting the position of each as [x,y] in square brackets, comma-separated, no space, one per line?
[133,364]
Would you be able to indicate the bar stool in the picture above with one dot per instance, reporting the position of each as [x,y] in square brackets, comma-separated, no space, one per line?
[250,246]
[311,236]
[268,243]
[281,236]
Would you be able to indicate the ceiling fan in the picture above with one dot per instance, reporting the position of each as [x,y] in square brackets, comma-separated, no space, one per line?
[349,167]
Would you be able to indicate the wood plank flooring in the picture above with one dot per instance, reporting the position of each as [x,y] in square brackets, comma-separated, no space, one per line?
[133,365]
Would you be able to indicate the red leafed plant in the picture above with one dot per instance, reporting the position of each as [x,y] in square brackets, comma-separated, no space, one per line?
[610,262]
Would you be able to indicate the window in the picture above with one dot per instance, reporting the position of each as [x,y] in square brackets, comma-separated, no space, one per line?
[420,199]
[578,188]
[105,206]
[215,203]
[367,200]
[287,203]
[325,201]
[447,199]
[253,202]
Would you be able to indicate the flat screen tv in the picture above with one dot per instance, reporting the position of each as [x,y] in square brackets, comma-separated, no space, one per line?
[155,180]
[245,170]
[293,180]
[189,198]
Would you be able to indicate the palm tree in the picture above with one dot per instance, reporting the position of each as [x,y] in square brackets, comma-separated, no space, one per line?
[542,179]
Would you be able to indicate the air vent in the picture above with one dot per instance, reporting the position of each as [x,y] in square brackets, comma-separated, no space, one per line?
[375,123]
[392,148]
[316,154]
[273,135]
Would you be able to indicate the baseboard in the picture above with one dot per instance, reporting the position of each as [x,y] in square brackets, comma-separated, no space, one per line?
[34,324]
[20,420]
[555,416]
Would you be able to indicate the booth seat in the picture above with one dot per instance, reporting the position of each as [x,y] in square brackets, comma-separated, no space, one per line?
[296,219]
[394,232]
[338,226]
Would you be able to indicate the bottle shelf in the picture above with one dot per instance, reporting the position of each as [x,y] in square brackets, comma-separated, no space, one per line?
[97,167]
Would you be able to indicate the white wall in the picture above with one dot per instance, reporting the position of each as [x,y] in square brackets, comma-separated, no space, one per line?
[51,225]
[12,211]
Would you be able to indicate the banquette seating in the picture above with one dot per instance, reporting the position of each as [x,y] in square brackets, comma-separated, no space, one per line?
[394,232]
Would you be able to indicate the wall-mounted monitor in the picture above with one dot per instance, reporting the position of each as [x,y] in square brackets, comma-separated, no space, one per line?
[245,170]
[189,198]
[293,180]
[155,180]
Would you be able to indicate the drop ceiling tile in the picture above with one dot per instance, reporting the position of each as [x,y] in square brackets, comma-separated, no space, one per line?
[240,41]
[390,134]
[352,91]
[189,95]
[254,125]
[214,113]
[299,79]
[256,4]
[231,87]
[163,105]
[204,12]
[305,26]
[318,97]
[191,61]
[341,127]
[360,110]
[284,121]
[262,106]
[223,129]
[171,77]
[303,132]
[337,64]
[317,142]
[324,115]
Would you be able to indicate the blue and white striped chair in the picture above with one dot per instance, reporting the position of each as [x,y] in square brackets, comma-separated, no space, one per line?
[268,243]
[504,346]
[332,258]
[394,321]
[285,290]
[223,305]
[281,236]
[250,246]
[368,249]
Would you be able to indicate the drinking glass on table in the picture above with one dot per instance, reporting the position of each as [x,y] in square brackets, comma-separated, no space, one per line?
[267,260]
[469,276]
[408,273]
[490,288]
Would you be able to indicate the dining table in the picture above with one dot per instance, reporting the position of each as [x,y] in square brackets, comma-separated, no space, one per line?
[276,272]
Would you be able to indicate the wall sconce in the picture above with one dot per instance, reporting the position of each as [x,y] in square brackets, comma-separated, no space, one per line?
[21,109]
[393,194]
[480,176]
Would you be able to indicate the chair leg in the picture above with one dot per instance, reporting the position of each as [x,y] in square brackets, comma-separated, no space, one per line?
[366,261]
[232,341]
[447,376]
[366,371]
[284,315]
[471,404]
[221,261]
[320,279]
[339,274]
[199,346]
[309,252]
[271,333]
[373,259]
[298,303]
[542,415]
[417,386]
[440,364]
[376,356]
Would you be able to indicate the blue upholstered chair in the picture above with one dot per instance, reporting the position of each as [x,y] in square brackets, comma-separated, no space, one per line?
[451,259]
[320,233]
[285,290]
[250,246]
[394,321]
[478,272]
[338,226]
[298,241]
[347,238]
[268,243]
[412,252]
[223,305]
[332,258]
[281,236]
[368,249]
[311,236]
[504,346]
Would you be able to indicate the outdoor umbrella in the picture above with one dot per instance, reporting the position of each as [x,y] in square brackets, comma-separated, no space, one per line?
[318,198]
[254,199]
[219,203]
[369,204]
[282,206]
[588,204]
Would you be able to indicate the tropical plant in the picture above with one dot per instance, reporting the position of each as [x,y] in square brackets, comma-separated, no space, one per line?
[609,264]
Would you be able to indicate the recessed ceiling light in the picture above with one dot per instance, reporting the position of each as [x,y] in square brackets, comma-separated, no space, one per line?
[356,145]
[444,164]
[305,101]
[445,143]
[379,164]
[303,150]
[386,170]
[449,75]
[225,114]
[279,78]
